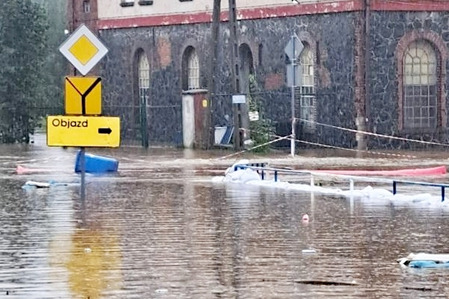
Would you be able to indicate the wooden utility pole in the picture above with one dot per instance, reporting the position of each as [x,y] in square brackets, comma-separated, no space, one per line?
[237,111]
[208,134]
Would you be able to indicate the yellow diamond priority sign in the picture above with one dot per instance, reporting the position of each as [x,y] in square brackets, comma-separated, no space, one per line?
[83,49]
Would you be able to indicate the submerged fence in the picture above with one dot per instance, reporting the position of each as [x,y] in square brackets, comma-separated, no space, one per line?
[262,169]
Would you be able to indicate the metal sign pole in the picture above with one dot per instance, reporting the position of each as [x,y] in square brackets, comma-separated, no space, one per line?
[293,50]
[293,140]
[83,173]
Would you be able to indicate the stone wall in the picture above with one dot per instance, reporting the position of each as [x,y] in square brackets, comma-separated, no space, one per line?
[389,31]
[333,38]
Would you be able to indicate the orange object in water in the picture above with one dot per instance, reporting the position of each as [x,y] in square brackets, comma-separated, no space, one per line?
[439,170]
[23,170]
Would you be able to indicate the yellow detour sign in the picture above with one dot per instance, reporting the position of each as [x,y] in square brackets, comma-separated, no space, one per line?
[83,131]
[83,95]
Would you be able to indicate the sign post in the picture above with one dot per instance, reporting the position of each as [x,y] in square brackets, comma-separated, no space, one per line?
[293,50]
[83,124]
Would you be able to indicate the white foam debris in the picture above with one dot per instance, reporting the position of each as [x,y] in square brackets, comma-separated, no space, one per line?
[368,194]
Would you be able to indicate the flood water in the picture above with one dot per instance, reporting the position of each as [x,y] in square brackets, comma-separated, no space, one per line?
[159,228]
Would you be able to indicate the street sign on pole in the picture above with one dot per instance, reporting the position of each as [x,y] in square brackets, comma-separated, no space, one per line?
[294,47]
[297,70]
[293,50]
[83,95]
[238,99]
[83,49]
[83,131]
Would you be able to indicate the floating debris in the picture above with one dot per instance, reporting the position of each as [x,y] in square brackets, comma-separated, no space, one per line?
[305,218]
[25,170]
[424,289]
[425,260]
[325,282]
[35,184]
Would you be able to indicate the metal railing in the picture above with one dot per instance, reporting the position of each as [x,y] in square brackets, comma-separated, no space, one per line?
[262,170]
[442,186]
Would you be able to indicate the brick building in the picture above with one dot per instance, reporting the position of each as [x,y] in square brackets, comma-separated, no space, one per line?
[370,65]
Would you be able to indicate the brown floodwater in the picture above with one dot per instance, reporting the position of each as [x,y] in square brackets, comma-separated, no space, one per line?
[160,228]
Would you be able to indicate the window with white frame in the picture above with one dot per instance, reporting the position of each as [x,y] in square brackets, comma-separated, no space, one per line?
[191,69]
[144,79]
[420,104]
[307,88]
[86,6]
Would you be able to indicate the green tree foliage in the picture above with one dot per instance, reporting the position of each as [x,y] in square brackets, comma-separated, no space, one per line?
[55,66]
[23,27]
[262,129]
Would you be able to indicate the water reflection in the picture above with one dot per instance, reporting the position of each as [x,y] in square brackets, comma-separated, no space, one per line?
[160,229]
[93,264]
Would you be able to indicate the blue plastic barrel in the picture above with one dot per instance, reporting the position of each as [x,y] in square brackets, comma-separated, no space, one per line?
[96,164]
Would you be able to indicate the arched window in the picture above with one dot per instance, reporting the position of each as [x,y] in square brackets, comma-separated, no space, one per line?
[140,112]
[420,98]
[307,99]
[194,70]
[246,68]
[190,69]
[144,79]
